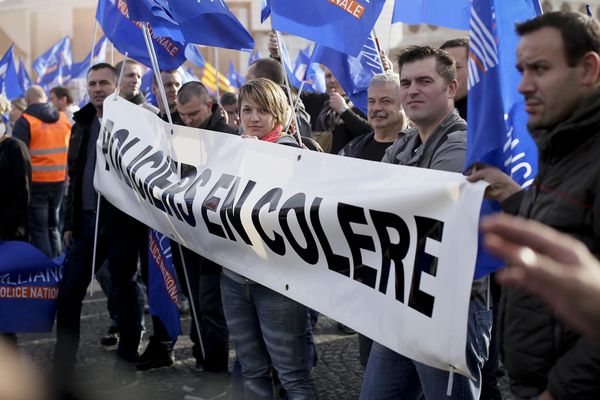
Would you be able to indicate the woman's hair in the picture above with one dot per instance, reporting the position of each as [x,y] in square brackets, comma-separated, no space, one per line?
[265,94]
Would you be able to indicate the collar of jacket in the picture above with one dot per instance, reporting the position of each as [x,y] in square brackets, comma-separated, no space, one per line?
[570,134]
[86,115]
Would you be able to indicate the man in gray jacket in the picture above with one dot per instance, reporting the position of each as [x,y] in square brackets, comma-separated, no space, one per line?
[437,141]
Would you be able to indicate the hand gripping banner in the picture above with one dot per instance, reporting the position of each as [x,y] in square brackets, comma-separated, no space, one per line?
[384,249]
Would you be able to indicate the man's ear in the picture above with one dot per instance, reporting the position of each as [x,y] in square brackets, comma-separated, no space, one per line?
[452,87]
[590,68]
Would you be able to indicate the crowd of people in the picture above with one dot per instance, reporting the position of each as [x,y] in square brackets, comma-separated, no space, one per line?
[544,326]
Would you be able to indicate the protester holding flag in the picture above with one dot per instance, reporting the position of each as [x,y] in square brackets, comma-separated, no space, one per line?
[46,133]
[267,328]
[438,141]
[558,56]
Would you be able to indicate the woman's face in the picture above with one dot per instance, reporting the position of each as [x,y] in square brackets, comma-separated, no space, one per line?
[256,121]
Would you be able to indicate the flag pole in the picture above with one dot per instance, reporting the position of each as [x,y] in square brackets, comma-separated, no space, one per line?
[216,53]
[94,43]
[95,245]
[378,47]
[293,115]
[112,53]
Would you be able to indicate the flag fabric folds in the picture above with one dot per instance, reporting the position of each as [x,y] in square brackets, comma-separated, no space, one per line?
[208,76]
[497,132]
[353,73]
[158,14]
[192,53]
[9,78]
[163,295]
[28,288]
[210,23]
[24,78]
[235,79]
[449,13]
[53,66]
[340,25]
[265,10]
[127,37]
[310,73]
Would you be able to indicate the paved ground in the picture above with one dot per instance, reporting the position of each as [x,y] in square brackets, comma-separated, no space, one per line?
[338,374]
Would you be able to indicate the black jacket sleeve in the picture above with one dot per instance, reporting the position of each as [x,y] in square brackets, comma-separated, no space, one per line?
[22,131]
[355,123]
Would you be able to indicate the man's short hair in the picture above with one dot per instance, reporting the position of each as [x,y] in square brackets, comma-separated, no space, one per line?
[266,94]
[229,98]
[192,89]
[580,33]
[458,42]
[121,63]
[98,66]
[163,71]
[445,64]
[62,91]
[385,78]
[270,69]
[35,94]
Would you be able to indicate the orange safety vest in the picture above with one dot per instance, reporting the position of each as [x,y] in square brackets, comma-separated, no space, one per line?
[48,146]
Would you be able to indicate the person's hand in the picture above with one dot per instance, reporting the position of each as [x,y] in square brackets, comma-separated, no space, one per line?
[555,267]
[501,185]
[337,102]
[67,238]
[273,45]
[386,62]
[546,396]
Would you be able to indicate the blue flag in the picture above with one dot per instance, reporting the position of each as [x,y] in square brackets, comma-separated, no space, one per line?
[265,10]
[28,288]
[97,55]
[311,73]
[9,79]
[353,73]
[24,78]
[449,13]
[497,132]
[158,14]
[211,23]
[127,37]
[192,53]
[54,65]
[254,56]
[340,25]
[235,79]
[287,64]
[163,296]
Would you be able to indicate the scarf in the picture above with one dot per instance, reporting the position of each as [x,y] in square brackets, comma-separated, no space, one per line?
[273,135]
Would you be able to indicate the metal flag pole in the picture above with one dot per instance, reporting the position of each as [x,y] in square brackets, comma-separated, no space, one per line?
[288,87]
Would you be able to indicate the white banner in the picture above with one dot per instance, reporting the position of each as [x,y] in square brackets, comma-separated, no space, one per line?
[302,222]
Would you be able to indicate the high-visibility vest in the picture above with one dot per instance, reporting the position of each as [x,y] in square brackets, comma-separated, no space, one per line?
[48,147]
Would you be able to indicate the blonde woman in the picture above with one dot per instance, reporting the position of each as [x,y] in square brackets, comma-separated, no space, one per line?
[268,329]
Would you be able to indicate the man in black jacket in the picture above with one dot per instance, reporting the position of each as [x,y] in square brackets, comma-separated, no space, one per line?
[559,57]
[197,111]
[80,222]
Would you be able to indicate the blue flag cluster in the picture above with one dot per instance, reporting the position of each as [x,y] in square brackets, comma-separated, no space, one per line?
[163,295]
[97,55]
[235,79]
[53,66]
[353,73]
[340,25]
[29,283]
